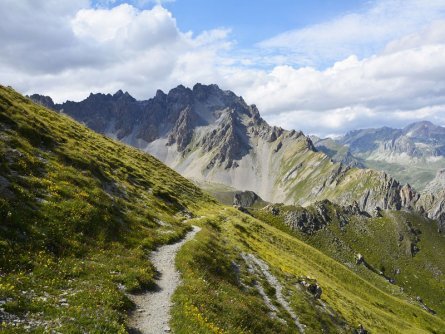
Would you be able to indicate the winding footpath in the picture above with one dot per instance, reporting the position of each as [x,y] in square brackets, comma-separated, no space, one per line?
[152,314]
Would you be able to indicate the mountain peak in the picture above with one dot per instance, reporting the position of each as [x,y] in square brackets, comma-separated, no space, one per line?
[121,95]
[423,129]
[160,94]
[43,100]
[118,93]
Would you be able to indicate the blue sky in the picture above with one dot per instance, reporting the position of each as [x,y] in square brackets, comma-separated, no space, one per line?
[324,67]
[252,22]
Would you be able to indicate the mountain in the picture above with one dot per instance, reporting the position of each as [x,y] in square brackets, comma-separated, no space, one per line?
[336,151]
[412,155]
[211,135]
[80,214]
[418,140]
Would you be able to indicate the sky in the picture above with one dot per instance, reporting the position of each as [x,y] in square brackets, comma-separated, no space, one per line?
[324,67]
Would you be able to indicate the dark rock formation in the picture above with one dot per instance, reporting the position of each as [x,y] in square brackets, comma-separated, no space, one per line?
[43,100]
[312,287]
[220,126]
[424,306]
[360,330]
[246,199]
[309,220]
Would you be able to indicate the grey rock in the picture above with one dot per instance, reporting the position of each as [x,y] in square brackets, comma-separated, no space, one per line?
[246,199]
[360,330]
[377,212]
[43,100]
[232,131]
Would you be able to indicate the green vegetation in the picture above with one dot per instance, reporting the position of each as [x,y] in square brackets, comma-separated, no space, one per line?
[416,174]
[211,299]
[79,214]
[386,243]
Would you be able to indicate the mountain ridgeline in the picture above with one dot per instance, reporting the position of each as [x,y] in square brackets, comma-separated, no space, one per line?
[413,154]
[80,215]
[209,134]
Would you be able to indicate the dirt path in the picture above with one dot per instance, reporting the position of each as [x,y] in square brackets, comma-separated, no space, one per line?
[153,308]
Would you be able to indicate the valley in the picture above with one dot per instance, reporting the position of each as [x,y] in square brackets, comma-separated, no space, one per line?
[213,137]
[81,214]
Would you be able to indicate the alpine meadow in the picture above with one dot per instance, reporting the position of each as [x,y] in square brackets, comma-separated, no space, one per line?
[196,167]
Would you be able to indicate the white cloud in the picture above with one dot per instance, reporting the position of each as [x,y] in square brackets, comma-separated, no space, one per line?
[363,33]
[102,50]
[67,49]
[393,87]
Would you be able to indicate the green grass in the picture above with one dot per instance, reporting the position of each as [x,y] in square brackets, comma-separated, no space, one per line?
[354,297]
[79,215]
[379,241]
[416,174]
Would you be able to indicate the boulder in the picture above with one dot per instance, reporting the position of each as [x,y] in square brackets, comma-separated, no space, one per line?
[246,199]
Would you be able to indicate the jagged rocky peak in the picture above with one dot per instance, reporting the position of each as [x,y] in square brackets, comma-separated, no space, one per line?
[438,183]
[229,140]
[216,95]
[120,95]
[182,132]
[43,100]
[160,94]
[423,129]
[211,134]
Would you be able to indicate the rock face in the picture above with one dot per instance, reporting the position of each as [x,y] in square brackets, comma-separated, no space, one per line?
[212,135]
[432,200]
[311,219]
[246,199]
[412,154]
[45,101]
[308,221]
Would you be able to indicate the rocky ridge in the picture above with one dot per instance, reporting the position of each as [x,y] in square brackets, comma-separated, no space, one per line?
[209,134]
[413,154]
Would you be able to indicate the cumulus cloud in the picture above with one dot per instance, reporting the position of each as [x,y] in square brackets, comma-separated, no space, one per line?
[363,33]
[67,49]
[405,82]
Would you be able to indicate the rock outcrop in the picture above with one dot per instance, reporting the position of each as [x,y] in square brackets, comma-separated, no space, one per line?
[419,148]
[43,100]
[246,199]
[212,135]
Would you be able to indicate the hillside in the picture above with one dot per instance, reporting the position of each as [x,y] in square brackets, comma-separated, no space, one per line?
[399,250]
[81,212]
[213,136]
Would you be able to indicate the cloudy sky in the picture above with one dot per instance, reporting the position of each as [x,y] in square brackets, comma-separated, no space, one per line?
[321,66]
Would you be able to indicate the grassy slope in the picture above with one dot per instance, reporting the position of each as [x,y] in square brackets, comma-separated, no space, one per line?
[416,174]
[311,180]
[211,300]
[78,215]
[385,243]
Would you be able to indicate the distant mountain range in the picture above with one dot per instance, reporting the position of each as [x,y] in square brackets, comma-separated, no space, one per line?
[81,214]
[212,135]
[413,154]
